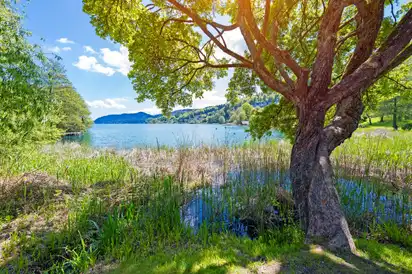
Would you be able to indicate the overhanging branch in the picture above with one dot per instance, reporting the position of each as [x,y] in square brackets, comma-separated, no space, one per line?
[392,53]
[203,26]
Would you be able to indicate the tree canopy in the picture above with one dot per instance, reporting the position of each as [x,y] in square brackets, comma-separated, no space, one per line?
[321,56]
[38,102]
[26,78]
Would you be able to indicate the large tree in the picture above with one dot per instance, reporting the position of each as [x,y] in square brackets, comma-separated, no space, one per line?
[317,54]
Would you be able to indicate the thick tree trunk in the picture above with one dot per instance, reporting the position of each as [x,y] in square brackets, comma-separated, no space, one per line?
[314,192]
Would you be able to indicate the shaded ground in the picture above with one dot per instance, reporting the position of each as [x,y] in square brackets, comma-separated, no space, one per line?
[244,258]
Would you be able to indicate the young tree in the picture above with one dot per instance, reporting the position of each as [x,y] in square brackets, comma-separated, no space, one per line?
[390,95]
[27,110]
[73,111]
[221,119]
[293,48]
[248,109]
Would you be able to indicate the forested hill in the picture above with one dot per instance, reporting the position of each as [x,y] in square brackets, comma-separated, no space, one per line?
[221,114]
[132,118]
[225,113]
[126,118]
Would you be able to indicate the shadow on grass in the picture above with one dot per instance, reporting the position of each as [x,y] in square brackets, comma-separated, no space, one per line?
[238,256]
[26,194]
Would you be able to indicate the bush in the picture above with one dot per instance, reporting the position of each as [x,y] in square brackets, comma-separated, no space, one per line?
[407,126]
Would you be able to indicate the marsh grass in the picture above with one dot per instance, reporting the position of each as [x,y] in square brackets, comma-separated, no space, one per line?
[381,155]
[69,208]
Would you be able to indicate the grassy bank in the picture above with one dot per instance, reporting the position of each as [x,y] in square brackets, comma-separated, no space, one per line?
[67,208]
[387,124]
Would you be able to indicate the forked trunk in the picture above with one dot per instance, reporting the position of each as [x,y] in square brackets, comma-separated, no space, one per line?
[314,192]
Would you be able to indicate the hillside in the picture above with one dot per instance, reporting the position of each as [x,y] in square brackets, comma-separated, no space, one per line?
[224,113]
[133,118]
[126,118]
[220,114]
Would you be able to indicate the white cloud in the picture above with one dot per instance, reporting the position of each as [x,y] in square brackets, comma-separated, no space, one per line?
[57,49]
[234,41]
[54,49]
[115,61]
[210,98]
[91,64]
[64,40]
[151,110]
[89,49]
[119,60]
[109,103]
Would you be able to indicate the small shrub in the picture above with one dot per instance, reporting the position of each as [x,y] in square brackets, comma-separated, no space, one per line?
[407,126]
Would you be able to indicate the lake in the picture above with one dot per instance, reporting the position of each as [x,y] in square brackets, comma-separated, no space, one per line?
[126,136]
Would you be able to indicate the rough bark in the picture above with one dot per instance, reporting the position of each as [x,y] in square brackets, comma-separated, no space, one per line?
[349,111]
[312,173]
[314,192]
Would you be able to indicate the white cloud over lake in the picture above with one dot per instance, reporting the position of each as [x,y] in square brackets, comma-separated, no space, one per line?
[108,103]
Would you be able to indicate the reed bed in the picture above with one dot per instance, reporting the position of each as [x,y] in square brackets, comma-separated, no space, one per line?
[69,208]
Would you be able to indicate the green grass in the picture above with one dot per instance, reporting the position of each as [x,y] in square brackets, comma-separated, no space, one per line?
[70,209]
[387,157]
[387,124]
[234,255]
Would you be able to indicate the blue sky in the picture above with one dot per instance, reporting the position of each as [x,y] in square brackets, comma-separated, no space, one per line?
[97,67]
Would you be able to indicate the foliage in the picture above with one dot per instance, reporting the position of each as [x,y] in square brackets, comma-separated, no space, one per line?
[38,102]
[28,113]
[407,126]
[178,48]
[74,113]
[220,114]
[281,116]
[391,95]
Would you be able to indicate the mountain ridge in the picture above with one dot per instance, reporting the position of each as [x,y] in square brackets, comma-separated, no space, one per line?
[223,113]
[140,117]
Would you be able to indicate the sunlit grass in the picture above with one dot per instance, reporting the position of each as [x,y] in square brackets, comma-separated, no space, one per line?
[68,208]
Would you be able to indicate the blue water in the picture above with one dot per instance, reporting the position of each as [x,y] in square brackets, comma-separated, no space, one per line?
[126,136]
[364,202]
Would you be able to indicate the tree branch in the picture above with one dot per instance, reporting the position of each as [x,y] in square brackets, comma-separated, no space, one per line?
[348,111]
[273,83]
[201,23]
[397,82]
[280,55]
[174,19]
[395,49]
[322,68]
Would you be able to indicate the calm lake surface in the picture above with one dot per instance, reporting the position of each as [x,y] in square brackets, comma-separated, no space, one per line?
[126,136]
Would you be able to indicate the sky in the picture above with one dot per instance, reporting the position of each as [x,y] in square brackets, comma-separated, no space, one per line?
[98,68]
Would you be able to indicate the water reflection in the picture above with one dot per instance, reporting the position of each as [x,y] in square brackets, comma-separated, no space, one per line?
[246,201]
